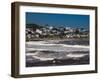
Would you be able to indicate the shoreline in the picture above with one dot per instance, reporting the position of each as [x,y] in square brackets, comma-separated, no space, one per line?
[57,39]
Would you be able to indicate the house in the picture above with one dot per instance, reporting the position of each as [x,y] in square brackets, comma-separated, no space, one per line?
[38,31]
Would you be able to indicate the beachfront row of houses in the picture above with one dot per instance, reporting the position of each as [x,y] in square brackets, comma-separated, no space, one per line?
[55,32]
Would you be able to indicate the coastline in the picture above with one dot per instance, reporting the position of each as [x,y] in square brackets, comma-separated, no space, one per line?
[57,39]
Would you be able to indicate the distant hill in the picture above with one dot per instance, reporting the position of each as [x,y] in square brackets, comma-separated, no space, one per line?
[34,26]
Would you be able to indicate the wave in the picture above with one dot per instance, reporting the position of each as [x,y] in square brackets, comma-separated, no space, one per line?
[76,46]
[56,45]
[76,55]
[45,57]
[42,46]
[66,49]
[42,58]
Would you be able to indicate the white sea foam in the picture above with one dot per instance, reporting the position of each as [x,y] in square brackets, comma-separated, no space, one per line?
[58,49]
[41,46]
[35,42]
[76,46]
[45,57]
[61,50]
[43,43]
[32,54]
[76,55]
[42,58]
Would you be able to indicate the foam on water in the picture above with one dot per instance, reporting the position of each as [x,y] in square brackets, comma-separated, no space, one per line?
[42,58]
[43,43]
[61,50]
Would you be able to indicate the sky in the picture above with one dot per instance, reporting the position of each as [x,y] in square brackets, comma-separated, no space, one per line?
[58,20]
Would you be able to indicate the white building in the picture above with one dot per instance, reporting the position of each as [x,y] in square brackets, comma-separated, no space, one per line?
[38,31]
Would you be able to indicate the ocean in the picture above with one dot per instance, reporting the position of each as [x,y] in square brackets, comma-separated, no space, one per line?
[57,52]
